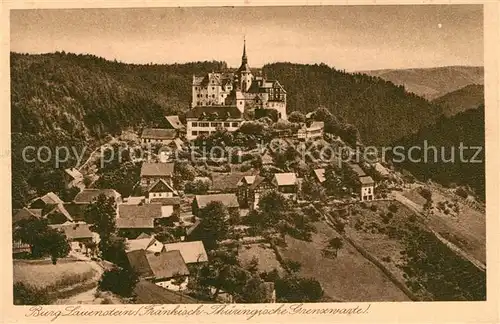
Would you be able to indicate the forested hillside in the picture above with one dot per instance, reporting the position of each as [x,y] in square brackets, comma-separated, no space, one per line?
[448,132]
[468,97]
[87,97]
[381,111]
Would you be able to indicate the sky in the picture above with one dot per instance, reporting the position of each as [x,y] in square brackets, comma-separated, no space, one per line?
[353,38]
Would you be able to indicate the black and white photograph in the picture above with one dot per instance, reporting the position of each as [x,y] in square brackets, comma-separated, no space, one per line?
[244,155]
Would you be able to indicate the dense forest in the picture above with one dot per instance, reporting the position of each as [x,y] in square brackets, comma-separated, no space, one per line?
[448,132]
[381,111]
[468,97]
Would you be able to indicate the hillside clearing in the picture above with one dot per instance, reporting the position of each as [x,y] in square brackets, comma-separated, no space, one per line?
[348,277]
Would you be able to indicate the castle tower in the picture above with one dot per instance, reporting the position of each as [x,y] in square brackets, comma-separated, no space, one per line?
[245,76]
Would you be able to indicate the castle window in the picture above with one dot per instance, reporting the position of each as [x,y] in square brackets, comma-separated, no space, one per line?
[241,102]
[227,124]
[235,124]
[195,124]
[195,133]
[213,96]
[213,88]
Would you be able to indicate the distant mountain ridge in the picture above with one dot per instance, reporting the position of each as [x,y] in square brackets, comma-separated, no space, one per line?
[432,83]
[468,97]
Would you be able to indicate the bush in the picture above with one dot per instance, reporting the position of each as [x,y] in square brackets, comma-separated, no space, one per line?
[461,192]
[393,208]
[119,281]
[373,208]
[28,295]
[426,193]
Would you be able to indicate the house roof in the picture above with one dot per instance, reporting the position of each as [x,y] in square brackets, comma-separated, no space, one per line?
[317,125]
[76,230]
[159,133]
[124,223]
[77,211]
[192,252]
[249,180]
[149,169]
[226,181]
[161,186]
[74,173]
[25,213]
[285,179]
[140,243]
[143,235]
[258,180]
[147,292]
[366,180]
[215,113]
[59,208]
[195,225]
[134,200]
[168,201]
[89,195]
[228,200]
[356,168]
[320,175]
[267,159]
[174,121]
[151,211]
[167,264]
[50,198]
[139,262]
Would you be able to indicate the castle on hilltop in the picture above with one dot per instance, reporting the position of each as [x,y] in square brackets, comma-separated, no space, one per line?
[241,89]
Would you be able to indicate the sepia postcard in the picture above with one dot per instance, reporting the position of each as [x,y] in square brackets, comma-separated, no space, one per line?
[262,162]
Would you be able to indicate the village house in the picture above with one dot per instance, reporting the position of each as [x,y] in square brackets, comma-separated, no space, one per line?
[230,201]
[226,182]
[132,220]
[251,188]
[366,183]
[25,213]
[173,122]
[81,238]
[73,178]
[52,208]
[166,269]
[315,130]
[367,188]
[206,120]
[161,189]
[319,175]
[144,242]
[192,252]
[287,184]
[88,196]
[152,172]
[158,136]
[146,292]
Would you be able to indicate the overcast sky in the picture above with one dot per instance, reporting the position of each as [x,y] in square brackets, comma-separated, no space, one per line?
[346,37]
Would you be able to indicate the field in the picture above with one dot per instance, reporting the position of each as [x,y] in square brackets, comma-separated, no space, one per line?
[348,277]
[263,252]
[398,238]
[467,229]
[43,274]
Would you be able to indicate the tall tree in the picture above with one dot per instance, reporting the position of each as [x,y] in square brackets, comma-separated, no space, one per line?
[101,214]
[213,226]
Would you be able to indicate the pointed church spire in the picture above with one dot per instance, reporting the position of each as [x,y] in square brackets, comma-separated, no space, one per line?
[244,59]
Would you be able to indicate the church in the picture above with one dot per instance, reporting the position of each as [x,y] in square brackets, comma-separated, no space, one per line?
[241,89]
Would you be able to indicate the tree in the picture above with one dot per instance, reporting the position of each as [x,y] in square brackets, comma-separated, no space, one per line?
[115,250]
[296,289]
[293,266]
[102,215]
[272,205]
[312,191]
[198,187]
[42,239]
[297,117]
[120,281]
[253,265]
[213,226]
[335,244]
[254,291]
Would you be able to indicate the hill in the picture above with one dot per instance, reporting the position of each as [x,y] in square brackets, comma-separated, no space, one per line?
[468,97]
[432,83]
[381,111]
[85,96]
[446,135]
